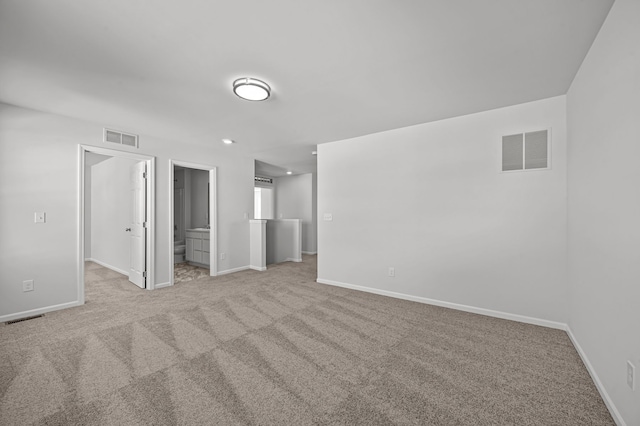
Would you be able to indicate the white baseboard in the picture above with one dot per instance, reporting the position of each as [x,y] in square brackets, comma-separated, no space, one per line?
[231,271]
[457,306]
[161,285]
[39,311]
[291,259]
[258,268]
[594,376]
[106,265]
[310,252]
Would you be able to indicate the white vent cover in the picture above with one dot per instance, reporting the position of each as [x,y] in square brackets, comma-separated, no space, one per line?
[525,151]
[121,138]
[263,179]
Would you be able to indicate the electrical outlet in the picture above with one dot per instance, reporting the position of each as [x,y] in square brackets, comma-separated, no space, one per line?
[40,217]
[27,285]
[392,271]
[631,375]
[223,256]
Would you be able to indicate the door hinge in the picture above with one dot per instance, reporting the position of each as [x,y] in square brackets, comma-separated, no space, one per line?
[144,175]
[144,224]
[144,274]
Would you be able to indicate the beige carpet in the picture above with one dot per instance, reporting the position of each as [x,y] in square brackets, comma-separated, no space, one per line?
[275,348]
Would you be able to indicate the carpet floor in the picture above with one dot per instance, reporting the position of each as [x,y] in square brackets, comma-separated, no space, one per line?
[276,348]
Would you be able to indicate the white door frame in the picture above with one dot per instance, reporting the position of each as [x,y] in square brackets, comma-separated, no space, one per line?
[151,176]
[213,213]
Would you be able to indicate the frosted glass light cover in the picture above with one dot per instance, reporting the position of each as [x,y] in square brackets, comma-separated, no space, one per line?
[251,89]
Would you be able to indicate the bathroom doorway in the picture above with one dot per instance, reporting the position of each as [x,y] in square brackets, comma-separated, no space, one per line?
[116,217]
[193,221]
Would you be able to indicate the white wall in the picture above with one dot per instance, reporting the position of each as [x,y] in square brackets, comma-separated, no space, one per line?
[39,172]
[187,198]
[283,240]
[430,200]
[87,210]
[263,203]
[179,200]
[90,160]
[294,200]
[312,236]
[111,213]
[603,116]
[199,187]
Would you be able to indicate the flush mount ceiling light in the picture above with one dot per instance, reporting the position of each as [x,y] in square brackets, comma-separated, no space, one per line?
[227,141]
[251,89]
[289,172]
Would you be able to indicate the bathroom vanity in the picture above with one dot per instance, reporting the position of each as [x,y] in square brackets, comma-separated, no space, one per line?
[198,244]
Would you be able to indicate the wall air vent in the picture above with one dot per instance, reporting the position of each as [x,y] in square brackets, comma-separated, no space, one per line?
[263,179]
[115,136]
[525,151]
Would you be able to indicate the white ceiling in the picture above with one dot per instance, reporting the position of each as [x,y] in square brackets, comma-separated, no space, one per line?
[338,68]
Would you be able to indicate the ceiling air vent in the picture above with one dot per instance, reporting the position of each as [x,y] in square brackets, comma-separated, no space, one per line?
[115,136]
[525,151]
[263,179]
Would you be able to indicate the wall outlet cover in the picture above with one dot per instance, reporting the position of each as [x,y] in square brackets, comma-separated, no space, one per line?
[27,285]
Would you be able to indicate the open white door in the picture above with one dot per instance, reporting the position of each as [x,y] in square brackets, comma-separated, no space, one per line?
[137,269]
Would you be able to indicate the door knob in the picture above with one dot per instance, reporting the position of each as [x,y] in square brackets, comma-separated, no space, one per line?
[127,230]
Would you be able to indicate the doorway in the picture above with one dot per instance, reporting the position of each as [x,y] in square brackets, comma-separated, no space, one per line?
[132,226]
[193,217]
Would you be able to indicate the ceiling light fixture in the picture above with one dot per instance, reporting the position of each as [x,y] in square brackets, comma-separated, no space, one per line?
[251,89]
[227,141]
[289,172]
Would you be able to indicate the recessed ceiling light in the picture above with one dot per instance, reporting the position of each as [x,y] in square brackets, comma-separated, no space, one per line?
[227,141]
[251,89]
[289,172]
